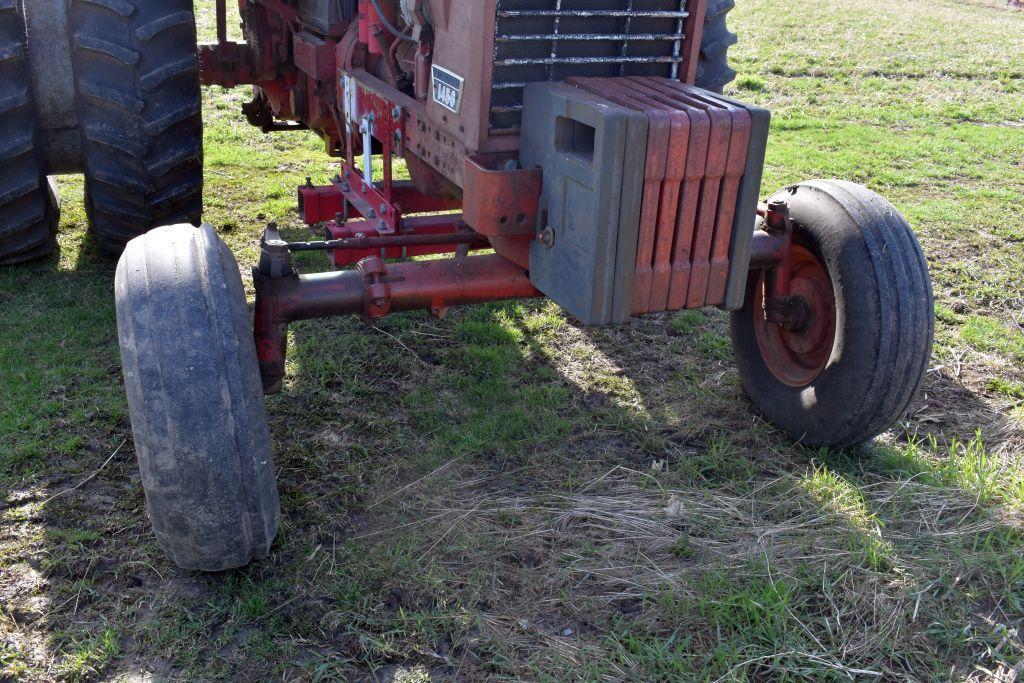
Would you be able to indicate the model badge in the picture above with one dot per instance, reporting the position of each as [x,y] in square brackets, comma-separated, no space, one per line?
[448,89]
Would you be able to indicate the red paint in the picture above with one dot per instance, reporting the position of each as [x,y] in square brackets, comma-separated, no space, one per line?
[797,353]
[499,200]
[374,290]
[420,226]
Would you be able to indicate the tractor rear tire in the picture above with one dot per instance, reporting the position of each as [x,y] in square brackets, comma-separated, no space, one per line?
[855,367]
[29,210]
[196,399]
[139,109]
[713,70]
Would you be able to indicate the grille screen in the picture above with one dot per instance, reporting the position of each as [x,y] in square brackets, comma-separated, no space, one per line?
[551,40]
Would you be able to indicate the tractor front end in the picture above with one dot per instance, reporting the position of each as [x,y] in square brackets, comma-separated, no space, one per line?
[575,149]
[569,138]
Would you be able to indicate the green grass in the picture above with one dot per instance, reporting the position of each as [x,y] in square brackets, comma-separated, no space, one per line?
[504,495]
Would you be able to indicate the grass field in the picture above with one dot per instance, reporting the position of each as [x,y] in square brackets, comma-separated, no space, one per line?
[506,496]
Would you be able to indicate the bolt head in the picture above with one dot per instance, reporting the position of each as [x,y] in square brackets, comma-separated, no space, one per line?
[546,237]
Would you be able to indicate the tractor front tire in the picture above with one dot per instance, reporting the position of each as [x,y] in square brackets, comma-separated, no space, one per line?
[196,399]
[713,70]
[139,110]
[851,371]
[29,210]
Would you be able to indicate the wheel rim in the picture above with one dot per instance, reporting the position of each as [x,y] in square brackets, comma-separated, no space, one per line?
[798,356]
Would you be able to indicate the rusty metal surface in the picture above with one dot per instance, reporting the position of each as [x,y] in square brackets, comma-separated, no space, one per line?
[744,176]
[320,203]
[420,236]
[694,30]
[373,290]
[728,144]
[796,332]
[550,41]
[500,198]
[734,150]
[665,220]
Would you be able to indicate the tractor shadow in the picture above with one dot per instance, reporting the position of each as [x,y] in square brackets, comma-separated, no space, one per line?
[418,457]
[500,408]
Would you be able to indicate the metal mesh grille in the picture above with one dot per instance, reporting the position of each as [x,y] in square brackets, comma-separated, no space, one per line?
[551,40]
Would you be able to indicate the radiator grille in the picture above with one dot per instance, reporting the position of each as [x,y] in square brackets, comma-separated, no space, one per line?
[552,40]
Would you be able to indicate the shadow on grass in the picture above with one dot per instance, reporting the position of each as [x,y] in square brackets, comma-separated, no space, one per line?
[505,494]
[504,410]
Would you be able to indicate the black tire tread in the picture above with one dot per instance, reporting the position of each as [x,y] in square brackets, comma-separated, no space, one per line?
[29,211]
[894,278]
[901,269]
[196,399]
[139,103]
[713,70]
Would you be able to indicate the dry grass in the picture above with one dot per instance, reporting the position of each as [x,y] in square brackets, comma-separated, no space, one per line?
[506,496]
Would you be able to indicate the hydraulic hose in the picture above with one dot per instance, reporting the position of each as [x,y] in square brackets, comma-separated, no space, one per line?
[392,29]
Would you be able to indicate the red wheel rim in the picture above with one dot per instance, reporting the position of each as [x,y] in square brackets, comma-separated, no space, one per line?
[796,357]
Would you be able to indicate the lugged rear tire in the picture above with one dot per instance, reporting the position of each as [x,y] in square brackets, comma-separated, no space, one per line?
[196,399]
[713,70]
[139,107]
[29,210]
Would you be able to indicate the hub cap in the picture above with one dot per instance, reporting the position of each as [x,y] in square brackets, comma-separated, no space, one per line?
[797,355]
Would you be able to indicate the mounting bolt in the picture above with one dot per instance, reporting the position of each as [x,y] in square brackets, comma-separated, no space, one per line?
[546,237]
[275,257]
[777,220]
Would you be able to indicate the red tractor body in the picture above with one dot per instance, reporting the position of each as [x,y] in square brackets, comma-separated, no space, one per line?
[566,136]
[585,145]
[569,139]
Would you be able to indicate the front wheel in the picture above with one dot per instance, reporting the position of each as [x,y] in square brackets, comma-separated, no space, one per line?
[859,357]
[196,399]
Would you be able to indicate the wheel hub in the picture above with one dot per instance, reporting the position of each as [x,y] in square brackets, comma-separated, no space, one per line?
[797,350]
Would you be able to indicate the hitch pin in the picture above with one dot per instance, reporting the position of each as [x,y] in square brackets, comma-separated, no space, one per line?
[367,130]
